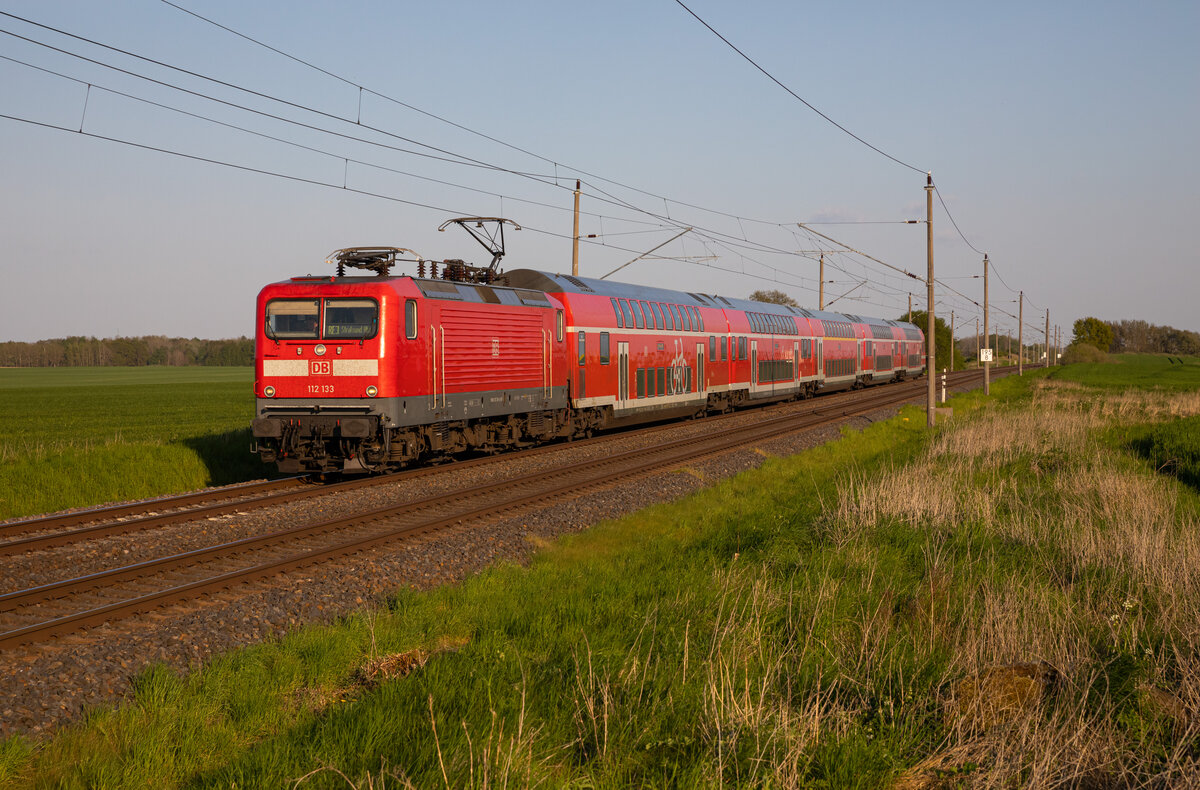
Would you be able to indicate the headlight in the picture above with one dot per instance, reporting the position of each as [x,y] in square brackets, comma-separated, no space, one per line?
[269,391]
[320,349]
[372,391]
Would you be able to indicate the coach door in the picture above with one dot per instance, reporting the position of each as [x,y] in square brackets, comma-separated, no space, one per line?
[820,357]
[753,364]
[701,383]
[795,360]
[622,374]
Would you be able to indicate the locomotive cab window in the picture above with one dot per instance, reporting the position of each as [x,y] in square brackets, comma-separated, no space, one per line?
[350,319]
[293,318]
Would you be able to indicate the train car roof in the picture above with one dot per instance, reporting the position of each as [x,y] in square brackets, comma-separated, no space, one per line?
[566,283]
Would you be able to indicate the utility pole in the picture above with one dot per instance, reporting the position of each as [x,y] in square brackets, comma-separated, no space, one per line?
[951,341]
[1020,333]
[977,362]
[910,308]
[1047,337]
[575,236]
[987,338]
[821,299]
[930,344]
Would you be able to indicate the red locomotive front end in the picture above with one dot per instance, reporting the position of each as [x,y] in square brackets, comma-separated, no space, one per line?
[327,362]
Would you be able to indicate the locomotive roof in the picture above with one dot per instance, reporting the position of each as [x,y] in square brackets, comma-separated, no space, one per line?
[566,283]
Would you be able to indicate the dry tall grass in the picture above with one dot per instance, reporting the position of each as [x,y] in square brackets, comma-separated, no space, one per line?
[1113,576]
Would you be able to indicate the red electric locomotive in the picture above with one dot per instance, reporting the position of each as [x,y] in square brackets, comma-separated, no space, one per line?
[369,372]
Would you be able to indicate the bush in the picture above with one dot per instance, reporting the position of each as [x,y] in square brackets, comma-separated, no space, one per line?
[1084,352]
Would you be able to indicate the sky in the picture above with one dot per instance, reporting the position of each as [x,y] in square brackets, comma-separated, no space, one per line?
[159,196]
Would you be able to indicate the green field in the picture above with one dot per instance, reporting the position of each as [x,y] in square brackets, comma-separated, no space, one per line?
[1137,370]
[72,437]
[1012,600]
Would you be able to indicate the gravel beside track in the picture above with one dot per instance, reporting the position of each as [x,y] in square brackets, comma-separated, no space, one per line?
[45,686]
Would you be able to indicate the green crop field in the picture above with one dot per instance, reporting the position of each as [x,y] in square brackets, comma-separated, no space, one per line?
[1010,600]
[72,437]
[1135,370]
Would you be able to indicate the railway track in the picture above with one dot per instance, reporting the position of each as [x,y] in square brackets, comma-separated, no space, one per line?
[49,610]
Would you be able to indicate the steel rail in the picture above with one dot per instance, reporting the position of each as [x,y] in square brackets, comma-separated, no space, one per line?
[111,512]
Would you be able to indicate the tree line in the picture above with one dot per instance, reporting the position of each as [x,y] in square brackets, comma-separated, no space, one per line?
[126,351]
[1117,337]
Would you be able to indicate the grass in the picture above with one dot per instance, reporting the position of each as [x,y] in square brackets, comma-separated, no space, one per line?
[74,437]
[1162,372]
[847,617]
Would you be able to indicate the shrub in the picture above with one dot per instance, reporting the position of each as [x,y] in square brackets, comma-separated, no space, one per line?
[1084,352]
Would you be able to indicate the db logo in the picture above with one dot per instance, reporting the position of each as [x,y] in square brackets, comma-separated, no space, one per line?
[320,367]
[495,346]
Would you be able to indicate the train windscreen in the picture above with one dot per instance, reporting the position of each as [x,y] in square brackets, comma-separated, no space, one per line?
[350,319]
[293,318]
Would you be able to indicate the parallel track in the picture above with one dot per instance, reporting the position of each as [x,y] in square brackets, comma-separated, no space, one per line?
[41,613]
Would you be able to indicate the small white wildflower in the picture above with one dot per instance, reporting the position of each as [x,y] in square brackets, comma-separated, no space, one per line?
[1129,604]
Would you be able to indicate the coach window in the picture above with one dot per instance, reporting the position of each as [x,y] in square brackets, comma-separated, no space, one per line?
[723,345]
[582,348]
[699,320]
[617,312]
[559,324]
[292,318]
[641,382]
[604,348]
[741,348]
[627,313]
[638,320]
[658,316]
[648,313]
[410,319]
[712,348]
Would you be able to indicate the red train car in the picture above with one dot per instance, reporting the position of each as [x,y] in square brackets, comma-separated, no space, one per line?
[369,373]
